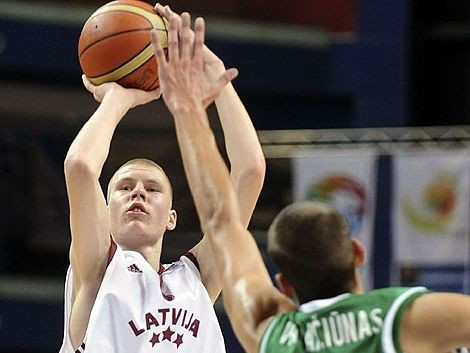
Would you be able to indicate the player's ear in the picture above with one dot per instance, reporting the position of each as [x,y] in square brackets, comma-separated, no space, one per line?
[359,253]
[171,224]
[285,286]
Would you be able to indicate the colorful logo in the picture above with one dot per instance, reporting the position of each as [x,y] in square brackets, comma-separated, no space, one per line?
[438,201]
[345,194]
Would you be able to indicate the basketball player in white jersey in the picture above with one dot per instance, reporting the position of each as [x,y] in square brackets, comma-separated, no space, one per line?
[309,243]
[119,297]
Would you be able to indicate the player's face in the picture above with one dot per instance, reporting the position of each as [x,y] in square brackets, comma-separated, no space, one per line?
[140,206]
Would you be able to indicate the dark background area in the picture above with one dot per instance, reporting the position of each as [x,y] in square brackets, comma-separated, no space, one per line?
[440,63]
[361,64]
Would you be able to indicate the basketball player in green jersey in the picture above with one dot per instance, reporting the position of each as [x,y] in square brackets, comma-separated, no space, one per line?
[323,307]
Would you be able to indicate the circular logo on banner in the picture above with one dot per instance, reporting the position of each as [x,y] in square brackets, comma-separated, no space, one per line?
[345,194]
[438,200]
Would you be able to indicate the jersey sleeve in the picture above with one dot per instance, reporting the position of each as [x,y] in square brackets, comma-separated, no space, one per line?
[282,335]
[263,346]
[190,263]
[66,343]
[193,259]
[390,332]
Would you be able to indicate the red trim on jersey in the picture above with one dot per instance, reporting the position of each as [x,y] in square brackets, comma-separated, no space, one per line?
[191,256]
[112,251]
[161,269]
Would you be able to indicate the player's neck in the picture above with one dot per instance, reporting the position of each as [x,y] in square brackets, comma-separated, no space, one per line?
[150,252]
[359,288]
[152,255]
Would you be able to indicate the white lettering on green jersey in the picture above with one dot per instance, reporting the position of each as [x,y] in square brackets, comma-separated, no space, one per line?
[345,323]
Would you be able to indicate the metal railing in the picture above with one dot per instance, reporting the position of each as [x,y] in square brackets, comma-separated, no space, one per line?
[281,143]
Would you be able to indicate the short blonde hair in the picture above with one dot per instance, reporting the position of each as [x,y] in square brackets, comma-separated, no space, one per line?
[142,162]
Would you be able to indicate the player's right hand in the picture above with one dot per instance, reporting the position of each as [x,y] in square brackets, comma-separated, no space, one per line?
[133,97]
[213,65]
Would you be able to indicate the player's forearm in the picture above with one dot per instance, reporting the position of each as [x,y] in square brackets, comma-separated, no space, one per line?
[242,144]
[215,198]
[246,157]
[243,147]
[205,169]
[91,145]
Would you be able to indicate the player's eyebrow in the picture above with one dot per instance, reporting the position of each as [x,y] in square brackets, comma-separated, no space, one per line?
[155,181]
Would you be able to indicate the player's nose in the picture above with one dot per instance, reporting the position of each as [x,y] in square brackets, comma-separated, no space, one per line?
[139,192]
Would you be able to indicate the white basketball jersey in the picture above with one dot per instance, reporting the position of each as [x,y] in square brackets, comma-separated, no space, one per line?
[141,311]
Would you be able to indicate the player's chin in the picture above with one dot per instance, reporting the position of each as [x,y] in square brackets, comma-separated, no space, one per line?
[135,230]
[134,225]
[138,225]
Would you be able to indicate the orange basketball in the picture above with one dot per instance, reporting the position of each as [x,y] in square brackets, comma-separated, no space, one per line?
[115,44]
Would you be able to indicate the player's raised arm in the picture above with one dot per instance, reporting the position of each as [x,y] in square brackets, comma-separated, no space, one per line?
[247,163]
[89,221]
[83,164]
[249,295]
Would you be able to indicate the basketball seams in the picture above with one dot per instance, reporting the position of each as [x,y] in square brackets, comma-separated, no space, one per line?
[153,83]
[96,15]
[154,21]
[153,18]
[137,68]
[116,34]
[125,68]
[165,23]
[111,36]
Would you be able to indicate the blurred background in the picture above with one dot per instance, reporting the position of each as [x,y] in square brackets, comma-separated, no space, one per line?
[361,103]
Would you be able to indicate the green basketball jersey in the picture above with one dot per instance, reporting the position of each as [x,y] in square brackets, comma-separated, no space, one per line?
[348,323]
